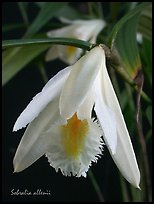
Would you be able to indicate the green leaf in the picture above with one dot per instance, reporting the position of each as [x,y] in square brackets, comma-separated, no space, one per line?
[23,10]
[23,51]
[122,22]
[145,23]
[40,4]
[137,195]
[48,11]
[14,60]
[62,41]
[126,45]
[10,27]
[69,12]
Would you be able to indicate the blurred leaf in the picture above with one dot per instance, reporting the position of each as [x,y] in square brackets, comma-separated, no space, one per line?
[137,195]
[145,27]
[126,45]
[62,41]
[23,8]
[24,4]
[69,12]
[123,20]
[9,27]
[48,11]
[125,194]
[40,4]
[145,23]
[14,60]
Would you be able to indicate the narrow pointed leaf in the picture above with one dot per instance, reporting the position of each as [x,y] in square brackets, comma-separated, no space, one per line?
[23,10]
[126,45]
[123,20]
[69,12]
[145,23]
[14,60]
[40,4]
[48,11]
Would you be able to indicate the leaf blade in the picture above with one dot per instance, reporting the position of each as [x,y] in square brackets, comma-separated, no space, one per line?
[14,60]
[122,21]
[126,45]
[48,10]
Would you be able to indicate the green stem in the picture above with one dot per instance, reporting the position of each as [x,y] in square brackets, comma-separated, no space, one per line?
[96,186]
[61,41]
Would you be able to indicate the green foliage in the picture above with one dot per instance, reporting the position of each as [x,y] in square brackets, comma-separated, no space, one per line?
[16,59]
[127,48]
[47,12]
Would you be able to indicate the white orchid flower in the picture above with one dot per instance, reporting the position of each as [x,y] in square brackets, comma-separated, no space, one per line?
[61,126]
[87,30]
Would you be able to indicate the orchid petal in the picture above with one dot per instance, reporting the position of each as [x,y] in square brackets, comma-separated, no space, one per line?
[61,32]
[69,54]
[86,107]
[124,156]
[79,29]
[107,120]
[52,53]
[93,28]
[34,143]
[79,82]
[125,159]
[39,102]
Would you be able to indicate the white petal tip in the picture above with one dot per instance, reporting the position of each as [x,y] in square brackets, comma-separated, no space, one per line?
[16,127]
[139,188]
[17,169]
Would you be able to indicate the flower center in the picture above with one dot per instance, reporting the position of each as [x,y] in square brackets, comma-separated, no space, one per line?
[71,50]
[74,133]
